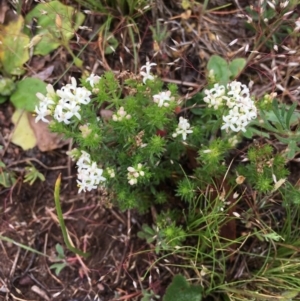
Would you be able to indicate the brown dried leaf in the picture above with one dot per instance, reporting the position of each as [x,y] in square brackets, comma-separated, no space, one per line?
[46,141]
[45,74]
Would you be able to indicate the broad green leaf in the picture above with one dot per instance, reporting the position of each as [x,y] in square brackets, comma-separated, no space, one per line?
[180,290]
[56,22]
[236,66]
[23,134]
[220,67]
[13,51]
[24,97]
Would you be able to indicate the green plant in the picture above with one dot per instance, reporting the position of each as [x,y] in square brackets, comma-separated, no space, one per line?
[32,174]
[282,121]
[129,138]
[7,178]
[166,234]
[60,260]
[222,71]
[180,290]
[160,34]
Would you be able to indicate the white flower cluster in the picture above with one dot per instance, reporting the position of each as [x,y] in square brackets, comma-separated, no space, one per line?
[214,96]
[134,173]
[162,97]
[146,74]
[120,115]
[46,104]
[64,104]
[237,99]
[183,128]
[89,175]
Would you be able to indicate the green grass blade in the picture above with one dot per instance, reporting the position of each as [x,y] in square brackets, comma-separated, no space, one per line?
[62,222]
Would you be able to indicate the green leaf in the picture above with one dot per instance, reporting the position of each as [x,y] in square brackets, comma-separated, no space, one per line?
[57,23]
[13,51]
[24,97]
[277,113]
[58,267]
[111,44]
[290,114]
[221,69]
[236,66]
[7,179]
[180,290]
[251,131]
[60,251]
[291,150]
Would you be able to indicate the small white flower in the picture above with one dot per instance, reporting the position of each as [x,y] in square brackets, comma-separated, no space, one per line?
[134,173]
[214,96]
[93,79]
[183,128]
[84,160]
[65,110]
[65,93]
[237,99]
[46,104]
[120,115]
[73,84]
[82,95]
[148,66]
[146,74]
[42,112]
[89,175]
[162,97]
[239,117]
